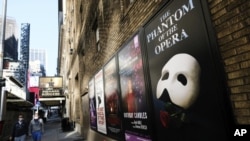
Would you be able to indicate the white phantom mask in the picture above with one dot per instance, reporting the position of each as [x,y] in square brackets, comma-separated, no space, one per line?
[179,81]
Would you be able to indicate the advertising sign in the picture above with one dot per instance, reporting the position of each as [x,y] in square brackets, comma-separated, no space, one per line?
[50,86]
[100,103]
[133,93]
[51,93]
[92,105]
[50,82]
[33,81]
[112,94]
[182,73]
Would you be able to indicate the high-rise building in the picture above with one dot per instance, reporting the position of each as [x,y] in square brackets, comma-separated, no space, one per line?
[24,51]
[38,58]
[11,27]
[11,41]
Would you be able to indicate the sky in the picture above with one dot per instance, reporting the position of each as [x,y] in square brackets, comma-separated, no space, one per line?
[42,15]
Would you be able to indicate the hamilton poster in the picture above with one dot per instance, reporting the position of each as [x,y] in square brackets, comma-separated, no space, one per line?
[182,73]
[112,94]
[133,94]
[100,103]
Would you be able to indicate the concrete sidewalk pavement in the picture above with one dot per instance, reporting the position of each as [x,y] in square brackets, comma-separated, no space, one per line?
[53,132]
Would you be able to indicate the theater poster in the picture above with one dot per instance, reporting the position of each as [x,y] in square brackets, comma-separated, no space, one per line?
[92,105]
[112,95]
[184,80]
[135,114]
[100,103]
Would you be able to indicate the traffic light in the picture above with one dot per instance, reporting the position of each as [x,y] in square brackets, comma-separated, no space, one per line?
[2,82]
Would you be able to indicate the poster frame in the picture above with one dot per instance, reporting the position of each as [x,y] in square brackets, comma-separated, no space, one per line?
[147,94]
[109,134]
[93,126]
[223,98]
[101,101]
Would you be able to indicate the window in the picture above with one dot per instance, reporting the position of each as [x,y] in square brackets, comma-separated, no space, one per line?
[97,37]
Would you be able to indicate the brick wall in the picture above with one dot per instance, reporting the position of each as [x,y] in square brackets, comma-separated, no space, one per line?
[230,19]
[115,27]
[231,22]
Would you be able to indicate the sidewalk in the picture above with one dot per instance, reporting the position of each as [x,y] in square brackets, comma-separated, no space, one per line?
[53,132]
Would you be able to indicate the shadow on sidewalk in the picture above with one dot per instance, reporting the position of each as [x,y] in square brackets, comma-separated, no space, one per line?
[54,132]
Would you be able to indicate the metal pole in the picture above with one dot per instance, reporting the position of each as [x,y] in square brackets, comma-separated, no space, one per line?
[3,97]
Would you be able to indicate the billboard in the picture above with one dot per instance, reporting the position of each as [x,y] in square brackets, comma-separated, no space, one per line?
[184,82]
[50,86]
[50,82]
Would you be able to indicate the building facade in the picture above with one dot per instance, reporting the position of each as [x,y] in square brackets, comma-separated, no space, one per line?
[11,27]
[95,33]
[38,61]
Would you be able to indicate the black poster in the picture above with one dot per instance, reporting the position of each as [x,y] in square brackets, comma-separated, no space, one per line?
[112,94]
[182,73]
[135,114]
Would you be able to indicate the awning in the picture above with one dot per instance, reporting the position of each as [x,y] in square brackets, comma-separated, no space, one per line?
[15,94]
[17,102]
[52,101]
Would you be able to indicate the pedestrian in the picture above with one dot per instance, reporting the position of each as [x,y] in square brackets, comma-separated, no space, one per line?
[19,130]
[36,128]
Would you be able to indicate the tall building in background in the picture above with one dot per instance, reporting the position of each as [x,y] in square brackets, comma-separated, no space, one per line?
[10,42]
[24,52]
[11,27]
[11,66]
[38,62]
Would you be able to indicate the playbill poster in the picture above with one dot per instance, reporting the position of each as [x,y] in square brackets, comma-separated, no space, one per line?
[133,93]
[100,103]
[112,95]
[92,105]
[183,75]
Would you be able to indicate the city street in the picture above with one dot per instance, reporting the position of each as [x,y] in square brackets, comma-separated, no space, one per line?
[53,132]
[127,70]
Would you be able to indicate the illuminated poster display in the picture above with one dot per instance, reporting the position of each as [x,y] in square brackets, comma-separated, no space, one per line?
[50,86]
[50,82]
[112,94]
[100,103]
[132,84]
[92,105]
[183,77]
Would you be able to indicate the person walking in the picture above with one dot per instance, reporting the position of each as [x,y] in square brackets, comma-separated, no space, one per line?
[36,128]
[19,130]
